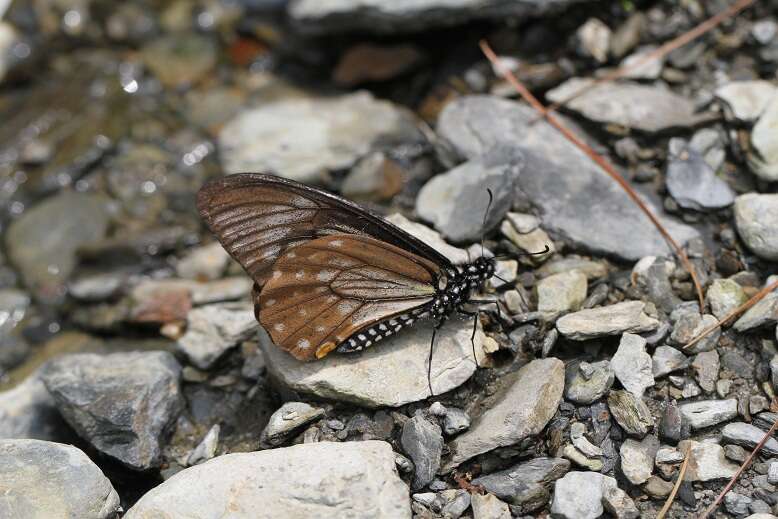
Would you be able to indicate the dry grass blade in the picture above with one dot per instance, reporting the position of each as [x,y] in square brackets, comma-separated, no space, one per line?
[740,470]
[597,158]
[678,482]
[663,50]
[734,313]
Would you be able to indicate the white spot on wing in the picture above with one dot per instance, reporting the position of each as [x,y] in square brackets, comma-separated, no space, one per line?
[303,312]
[270,302]
[336,243]
[325,275]
[299,274]
[279,327]
[276,274]
[344,308]
[291,255]
[321,329]
[303,344]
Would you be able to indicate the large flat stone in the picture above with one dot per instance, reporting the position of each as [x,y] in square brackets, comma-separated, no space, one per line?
[522,411]
[354,479]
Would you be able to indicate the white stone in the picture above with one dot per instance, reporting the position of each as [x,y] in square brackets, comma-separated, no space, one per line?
[763,158]
[632,365]
[707,413]
[615,319]
[746,100]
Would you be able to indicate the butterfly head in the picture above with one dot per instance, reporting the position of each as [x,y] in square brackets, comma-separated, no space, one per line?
[481,269]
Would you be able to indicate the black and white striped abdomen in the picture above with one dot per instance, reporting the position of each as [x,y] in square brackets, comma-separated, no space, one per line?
[381,330]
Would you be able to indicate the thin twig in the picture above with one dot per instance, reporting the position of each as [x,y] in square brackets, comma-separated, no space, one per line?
[734,313]
[663,50]
[678,482]
[597,158]
[743,467]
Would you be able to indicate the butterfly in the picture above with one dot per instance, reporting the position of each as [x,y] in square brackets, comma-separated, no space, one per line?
[328,274]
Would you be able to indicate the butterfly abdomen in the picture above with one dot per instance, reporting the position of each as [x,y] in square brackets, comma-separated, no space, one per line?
[381,330]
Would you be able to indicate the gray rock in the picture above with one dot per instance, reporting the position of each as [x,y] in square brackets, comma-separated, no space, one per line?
[287,420]
[577,436]
[764,31]
[745,101]
[455,421]
[591,269]
[534,241]
[201,292]
[657,487]
[763,157]
[756,218]
[723,296]
[28,411]
[652,276]
[666,360]
[43,242]
[441,199]
[706,369]
[97,287]
[523,410]
[180,59]
[582,460]
[206,449]
[214,329]
[122,403]
[707,461]
[626,104]
[205,262]
[594,38]
[631,413]
[707,413]
[526,484]
[457,501]
[43,479]
[772,473]
[637,458]
[693,183]
[763,313]
[579,495]
[632,365]
[297,481]
[399,361]
[735,453]
[581,389]
[737,504]
[619,504]
[607,320]
[422,441]
[304,138]
[488,506]
[576,200]
[774,371]
[433,239]
[650,69]
[747,435]
[561,292]
[689,324]
[390,17]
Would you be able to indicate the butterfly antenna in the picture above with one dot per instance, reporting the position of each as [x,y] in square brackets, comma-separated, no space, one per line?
[505,256]
[486,215]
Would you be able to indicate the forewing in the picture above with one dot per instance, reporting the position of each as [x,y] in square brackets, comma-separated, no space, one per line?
[257,217]
[323,291]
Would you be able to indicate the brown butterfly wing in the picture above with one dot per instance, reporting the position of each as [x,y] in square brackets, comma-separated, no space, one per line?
[325,290]
[257,217]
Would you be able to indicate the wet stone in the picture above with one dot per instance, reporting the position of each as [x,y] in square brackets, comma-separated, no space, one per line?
[134,396]
[558,178]
[440,200]
[522,410]
[287,420]
[615,319]
[632,365]
[422,441]
[47,479]
[43,242]
[303,139]
[586,383]
[290,481]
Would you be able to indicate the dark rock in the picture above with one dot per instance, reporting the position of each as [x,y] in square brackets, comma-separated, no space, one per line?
[422,441]
[122,403]
[526,484]
[694,184]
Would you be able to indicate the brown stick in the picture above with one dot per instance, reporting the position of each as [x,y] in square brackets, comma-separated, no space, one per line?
[594,156]
[743,467]
[681,475]
[734,313]
[663,50]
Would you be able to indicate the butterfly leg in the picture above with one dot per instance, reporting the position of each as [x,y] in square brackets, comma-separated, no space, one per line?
[474,315]
[490,302]
[438,325]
